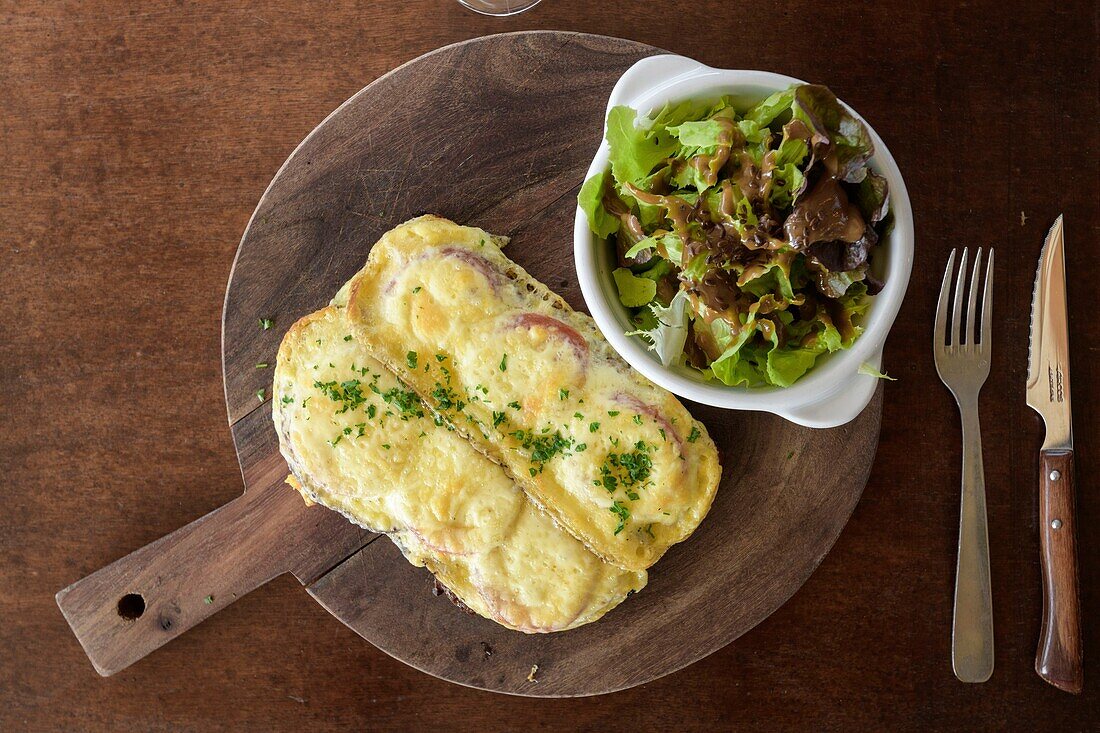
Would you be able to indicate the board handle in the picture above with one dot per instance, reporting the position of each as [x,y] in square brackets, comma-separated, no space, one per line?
[130,608]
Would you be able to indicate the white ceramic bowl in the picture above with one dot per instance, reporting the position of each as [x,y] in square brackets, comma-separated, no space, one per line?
[832,392]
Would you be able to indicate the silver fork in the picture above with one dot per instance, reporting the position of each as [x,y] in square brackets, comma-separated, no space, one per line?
[963,365]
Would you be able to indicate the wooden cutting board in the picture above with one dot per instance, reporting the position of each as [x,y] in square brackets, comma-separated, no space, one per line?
[495,132]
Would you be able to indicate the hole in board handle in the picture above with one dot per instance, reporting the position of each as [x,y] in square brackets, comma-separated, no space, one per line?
[131,606]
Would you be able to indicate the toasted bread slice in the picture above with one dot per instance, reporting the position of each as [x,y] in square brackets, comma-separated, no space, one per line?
[616,460]
[360,443]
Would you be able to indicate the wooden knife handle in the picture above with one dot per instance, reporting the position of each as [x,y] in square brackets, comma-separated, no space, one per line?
[130,608]
[1059,656]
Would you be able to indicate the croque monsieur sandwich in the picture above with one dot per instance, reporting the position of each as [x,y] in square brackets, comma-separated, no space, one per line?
[449,400]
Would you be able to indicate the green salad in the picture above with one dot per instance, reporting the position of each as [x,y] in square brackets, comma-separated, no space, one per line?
[743,236]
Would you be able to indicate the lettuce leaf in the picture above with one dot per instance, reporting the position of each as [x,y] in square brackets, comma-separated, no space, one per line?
[660,267]
[674,246]
[689,110]
[819,108]
[870,371]
[590,198]
[698,134]
[634,291]
[786,183]
[643,245]
[636,151]
[773,279]
[768,110]
[697,268]
[786,366]
[873,198]
[734,370]
[689,176]
[668,337]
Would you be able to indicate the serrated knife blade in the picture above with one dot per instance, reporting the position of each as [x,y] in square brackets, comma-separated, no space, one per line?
[1048,349]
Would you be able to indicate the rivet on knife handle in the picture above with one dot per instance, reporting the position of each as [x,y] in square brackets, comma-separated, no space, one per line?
[1058,659]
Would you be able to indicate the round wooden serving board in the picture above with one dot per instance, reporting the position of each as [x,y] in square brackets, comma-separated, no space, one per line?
[495,132]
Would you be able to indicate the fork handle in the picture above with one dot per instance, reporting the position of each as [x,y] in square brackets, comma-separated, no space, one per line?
[1058,658]
[972,629]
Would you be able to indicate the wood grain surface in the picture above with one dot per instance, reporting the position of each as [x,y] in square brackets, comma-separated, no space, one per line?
[1058,659]
[136,141]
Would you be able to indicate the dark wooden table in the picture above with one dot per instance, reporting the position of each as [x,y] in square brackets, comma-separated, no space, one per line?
[135,140]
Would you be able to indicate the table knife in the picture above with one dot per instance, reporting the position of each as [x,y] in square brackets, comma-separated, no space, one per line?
[1058,658]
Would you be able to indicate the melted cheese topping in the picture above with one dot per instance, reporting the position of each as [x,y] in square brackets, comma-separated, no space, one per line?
[615,459]
[361,443]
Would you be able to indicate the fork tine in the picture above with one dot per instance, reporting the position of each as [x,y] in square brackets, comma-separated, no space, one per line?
[987,303]
[972,301]
[940,334]
[956,311]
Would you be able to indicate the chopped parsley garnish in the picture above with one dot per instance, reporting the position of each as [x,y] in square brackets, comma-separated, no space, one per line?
[287,399]
[386,446]
[637,419]
[607,479]
[266,323]
[362,426]
[446,398]
[514,405]
[349,393]
[637,464]
[208,600]
[622,511]
[694,434]
[612,413]
[578,415]
[504,363]
[371,411]
[542,446]
[626,471]
[440,357]
[260,393]
[563,393]
[334,442]
[593,427]
[348,338]
[581,447]
[498,418]
[405,401]
[417,289]
[262,365]
[410,359]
